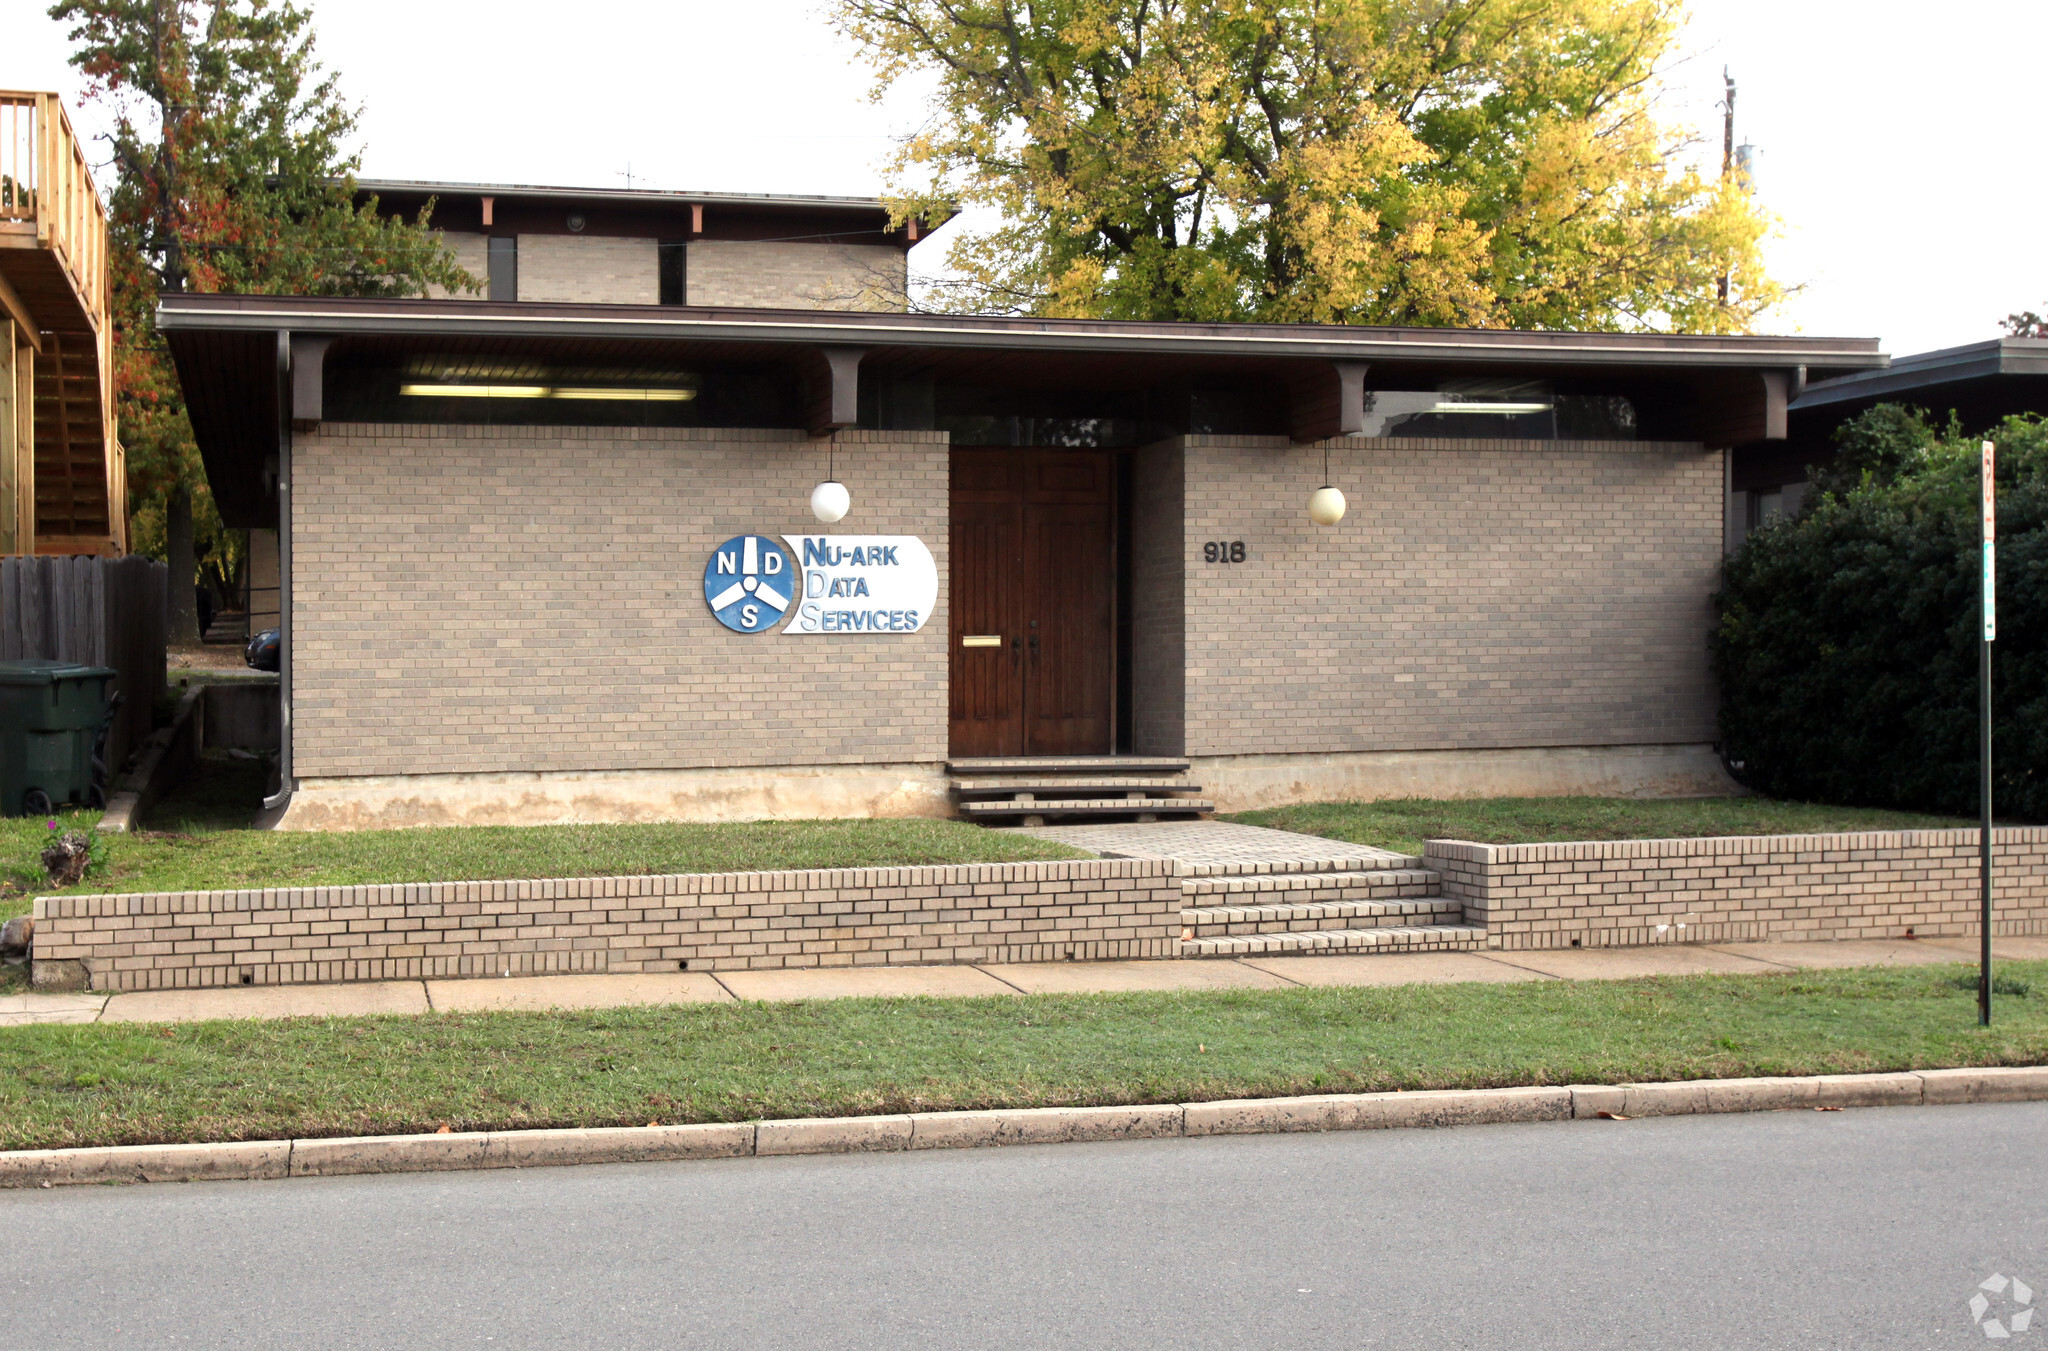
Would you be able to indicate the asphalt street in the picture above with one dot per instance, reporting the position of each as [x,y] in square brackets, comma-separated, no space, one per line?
[1808,1229]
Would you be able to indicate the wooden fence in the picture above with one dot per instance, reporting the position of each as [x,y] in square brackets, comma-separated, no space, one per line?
[96,612]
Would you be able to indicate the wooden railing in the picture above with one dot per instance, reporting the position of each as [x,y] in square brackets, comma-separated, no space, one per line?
[45,182]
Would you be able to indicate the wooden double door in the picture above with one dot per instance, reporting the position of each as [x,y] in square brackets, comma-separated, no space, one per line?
[1033,548]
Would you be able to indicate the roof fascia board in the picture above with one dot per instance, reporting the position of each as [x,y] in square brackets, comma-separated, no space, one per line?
[1928,370]
[874,331]
[382,186]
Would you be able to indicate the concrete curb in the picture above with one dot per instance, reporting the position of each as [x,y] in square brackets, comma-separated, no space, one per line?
[260,1159]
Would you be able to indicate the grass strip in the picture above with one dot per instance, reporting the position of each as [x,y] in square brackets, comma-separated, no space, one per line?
[1402,824]
[103,1084]
[188,847]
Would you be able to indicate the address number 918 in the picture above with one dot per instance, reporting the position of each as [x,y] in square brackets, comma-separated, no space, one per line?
[1223,551]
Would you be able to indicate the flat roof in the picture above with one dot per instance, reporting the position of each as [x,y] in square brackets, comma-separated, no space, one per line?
[677,323]
[624,196]
[1926,370]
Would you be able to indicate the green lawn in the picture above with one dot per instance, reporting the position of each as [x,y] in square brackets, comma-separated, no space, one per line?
[1402,824]
[198,840]
[138,1083]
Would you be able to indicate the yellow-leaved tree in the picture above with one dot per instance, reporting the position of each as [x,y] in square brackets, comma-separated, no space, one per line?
[1486,163]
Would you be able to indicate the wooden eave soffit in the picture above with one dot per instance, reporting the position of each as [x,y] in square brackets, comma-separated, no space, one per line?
[308,383]
[1740,408]
[1326,399]
[831,388]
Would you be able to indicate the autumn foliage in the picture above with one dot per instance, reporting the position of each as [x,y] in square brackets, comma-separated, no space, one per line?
[231,172]
[1434,162]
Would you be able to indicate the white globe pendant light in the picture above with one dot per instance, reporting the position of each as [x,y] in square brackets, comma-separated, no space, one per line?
[1326,504]
[829,500]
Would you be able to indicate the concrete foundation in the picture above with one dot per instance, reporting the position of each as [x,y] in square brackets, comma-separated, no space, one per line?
[812,792]
[777,793]
[1240,783]
[242,714]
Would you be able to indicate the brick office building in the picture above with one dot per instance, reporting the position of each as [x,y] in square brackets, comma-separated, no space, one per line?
[511,534]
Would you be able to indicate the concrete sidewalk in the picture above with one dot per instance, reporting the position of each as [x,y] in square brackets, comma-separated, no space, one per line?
[1249,973]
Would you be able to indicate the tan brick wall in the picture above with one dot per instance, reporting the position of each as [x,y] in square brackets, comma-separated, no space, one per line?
[589,269]
[1158,602]
[1012,912]
[1623,893]
[473,252]
[481,600]
[797,276]
[1476,595]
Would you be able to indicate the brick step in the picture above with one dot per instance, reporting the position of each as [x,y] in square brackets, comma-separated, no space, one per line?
[1362,861]
[1378,884]
[1043,765]
[1237,921]
[1072,787]
[1402,938]
[1115,806]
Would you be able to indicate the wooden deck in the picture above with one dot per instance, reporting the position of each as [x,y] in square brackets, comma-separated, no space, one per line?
[61,461]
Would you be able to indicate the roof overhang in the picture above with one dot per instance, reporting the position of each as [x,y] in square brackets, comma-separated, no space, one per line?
[1928,371]
[622,196]
[1491,347]
[228,348]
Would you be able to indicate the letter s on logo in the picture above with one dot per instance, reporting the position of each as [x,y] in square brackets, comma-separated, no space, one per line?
[750,614]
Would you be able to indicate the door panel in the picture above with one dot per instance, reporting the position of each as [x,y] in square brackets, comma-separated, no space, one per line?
[987,551]
[1034,563]
[1070,618]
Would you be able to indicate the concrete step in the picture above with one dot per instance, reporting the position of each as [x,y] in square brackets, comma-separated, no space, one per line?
[1403,938]
[1114,806]
[1073,787]
[1358,884]
[1237,921]
[1040,766]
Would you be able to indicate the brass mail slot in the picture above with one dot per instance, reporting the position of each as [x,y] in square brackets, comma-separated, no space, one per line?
[981,640]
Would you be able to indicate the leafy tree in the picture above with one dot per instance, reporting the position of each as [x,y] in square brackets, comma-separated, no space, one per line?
[1442,162]
[230,174]
[1847,643]
[2025,324]
[1876,446]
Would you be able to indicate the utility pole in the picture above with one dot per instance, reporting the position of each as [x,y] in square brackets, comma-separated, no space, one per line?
[1988,591]
[1727,150]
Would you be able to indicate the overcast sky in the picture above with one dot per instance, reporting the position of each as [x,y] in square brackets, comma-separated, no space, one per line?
[1893,139]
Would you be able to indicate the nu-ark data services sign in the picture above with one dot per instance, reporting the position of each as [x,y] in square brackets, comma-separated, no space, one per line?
[822,583]
[863,583]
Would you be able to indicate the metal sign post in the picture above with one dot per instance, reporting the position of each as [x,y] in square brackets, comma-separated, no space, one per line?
[1990,605]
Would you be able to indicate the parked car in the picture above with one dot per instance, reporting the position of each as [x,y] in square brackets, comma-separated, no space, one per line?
[264,650]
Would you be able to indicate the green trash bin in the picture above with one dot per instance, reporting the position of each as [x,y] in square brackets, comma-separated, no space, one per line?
[50,717]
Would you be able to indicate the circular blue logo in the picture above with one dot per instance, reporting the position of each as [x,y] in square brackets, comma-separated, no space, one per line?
[749,583]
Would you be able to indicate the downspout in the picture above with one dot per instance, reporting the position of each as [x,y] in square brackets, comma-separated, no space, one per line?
[285,782]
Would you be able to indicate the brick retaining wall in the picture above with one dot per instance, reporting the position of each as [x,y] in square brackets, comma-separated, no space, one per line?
[1607,894]
[1728,889]
[1011,912]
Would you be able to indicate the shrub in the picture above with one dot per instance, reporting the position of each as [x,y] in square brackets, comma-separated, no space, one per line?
[1847,641]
